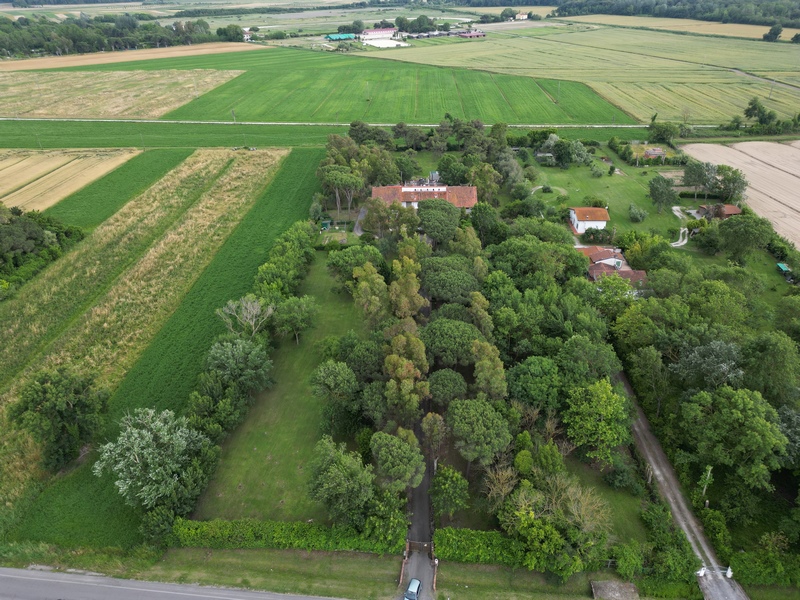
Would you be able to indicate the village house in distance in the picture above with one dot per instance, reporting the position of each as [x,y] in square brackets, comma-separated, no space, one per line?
[460,196]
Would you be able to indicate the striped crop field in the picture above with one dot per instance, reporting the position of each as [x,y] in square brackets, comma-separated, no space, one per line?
[82,510]
[641,72]
[98,307]
[299,86]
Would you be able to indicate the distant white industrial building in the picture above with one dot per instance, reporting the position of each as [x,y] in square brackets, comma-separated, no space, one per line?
[378,34]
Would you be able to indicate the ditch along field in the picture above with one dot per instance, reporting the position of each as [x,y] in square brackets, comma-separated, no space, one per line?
[99,306]
[641,72]
[773,172]
[80,510]
[119,94]
[36,180]
[683,25]
[299,86]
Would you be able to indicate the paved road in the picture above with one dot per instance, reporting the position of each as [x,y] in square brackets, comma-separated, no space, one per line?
[714,585]
[19,584]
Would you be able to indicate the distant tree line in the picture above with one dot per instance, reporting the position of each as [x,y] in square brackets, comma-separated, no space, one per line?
[757,12]
[25,36]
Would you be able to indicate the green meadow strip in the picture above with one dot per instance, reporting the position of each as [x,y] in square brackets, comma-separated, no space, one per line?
[92,205]
[80,510]
[100,134]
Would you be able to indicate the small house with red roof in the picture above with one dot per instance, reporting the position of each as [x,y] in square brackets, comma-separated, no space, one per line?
[588,217]
[719,211]
[460,196]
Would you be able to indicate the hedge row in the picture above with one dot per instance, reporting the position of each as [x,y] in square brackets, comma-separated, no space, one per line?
[766,568]
[483,547]
[279,535]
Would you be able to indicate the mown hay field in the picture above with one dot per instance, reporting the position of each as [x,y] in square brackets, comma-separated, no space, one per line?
[82,510]
[89,207]
[34,180]
[641,72]
[684,25]
[773,174]
[297,86]
[122,95]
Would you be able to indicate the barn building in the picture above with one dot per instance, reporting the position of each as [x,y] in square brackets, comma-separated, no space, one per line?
[460,196]
[583,218]
[378,34]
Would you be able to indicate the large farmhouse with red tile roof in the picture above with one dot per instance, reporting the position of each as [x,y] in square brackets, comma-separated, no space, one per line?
[460,196]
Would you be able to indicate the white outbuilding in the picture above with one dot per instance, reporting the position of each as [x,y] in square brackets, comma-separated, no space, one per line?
[583,218]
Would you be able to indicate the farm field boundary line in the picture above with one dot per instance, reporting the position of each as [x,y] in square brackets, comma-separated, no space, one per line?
[306,124]
[81,510]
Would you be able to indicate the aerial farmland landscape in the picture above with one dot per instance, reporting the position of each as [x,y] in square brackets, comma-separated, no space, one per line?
[420,300]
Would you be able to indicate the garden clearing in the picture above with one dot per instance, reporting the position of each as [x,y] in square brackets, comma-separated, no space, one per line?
[35,180]
[117,94]
[106,58]
[773,173]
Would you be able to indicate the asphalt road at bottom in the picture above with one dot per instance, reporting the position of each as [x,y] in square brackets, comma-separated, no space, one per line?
[21,584]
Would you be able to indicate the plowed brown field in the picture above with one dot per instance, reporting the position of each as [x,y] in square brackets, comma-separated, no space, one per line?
[773,171]
[117,94]
[37,180]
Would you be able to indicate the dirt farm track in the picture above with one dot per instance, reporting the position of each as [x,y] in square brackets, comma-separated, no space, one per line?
[104,58]
[773,171]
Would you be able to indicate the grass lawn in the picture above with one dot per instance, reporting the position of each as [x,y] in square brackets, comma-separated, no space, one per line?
[262,473]
[339,574]
[626,523]
[92,205]
[618,192]
[82,510]
[467,582]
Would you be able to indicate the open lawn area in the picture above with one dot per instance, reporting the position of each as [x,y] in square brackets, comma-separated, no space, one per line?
[617,192]
[262,473]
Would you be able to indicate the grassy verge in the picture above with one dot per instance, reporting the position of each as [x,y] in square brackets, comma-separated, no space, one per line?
[95,203]
[96,134]
[262,473]
[338,574]
[81,510]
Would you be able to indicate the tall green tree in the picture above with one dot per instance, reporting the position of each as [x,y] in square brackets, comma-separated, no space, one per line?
[371,294]
[434,432]
[449,492]
[737,429]
[730,184]
[598,418]
[662,193]
[742,234]
[62,411]
[400,464]
[439,219]
[158,460]
[479,431]
[295,314]
[342,482]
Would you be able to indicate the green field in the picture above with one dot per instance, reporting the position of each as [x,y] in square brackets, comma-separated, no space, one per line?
[641,72]
[262,470]
[298,86]
[81,510]
[87,134]
[92,205]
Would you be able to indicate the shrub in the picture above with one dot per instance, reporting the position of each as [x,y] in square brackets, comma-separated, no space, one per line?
[482,547]
[250,533]
[636,214]
[717,531]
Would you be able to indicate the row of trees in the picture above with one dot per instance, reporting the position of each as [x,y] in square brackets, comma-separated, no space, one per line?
[29,242]
[759,12]
[762,121]
[162,462]
[24,36]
